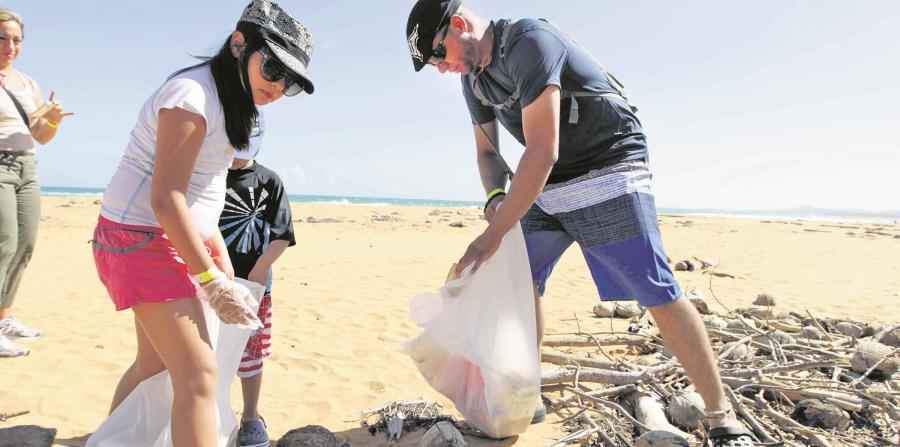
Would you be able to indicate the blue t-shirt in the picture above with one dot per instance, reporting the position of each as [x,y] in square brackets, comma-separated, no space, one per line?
[536,55]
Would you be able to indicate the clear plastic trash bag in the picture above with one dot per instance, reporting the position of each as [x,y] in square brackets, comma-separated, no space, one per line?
[143,418]
[479,346]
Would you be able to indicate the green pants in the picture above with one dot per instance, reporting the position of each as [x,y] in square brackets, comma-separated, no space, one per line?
[20,213]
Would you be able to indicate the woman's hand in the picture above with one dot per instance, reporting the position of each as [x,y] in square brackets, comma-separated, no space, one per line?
[56,114]
[224,264]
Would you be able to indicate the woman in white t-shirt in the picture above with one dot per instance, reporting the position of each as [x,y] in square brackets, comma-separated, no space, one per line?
[157,244]
[24,119]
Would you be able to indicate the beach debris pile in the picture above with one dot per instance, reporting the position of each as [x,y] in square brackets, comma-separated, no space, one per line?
[792,379]
[402,416]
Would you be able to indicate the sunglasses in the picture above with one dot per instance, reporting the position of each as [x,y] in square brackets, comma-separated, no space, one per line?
[439,53]
[273,70]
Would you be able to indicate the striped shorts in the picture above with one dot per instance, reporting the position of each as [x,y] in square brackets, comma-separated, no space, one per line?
[259,346]
[611,213]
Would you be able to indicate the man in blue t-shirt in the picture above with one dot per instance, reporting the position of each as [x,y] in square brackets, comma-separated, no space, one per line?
[584,176]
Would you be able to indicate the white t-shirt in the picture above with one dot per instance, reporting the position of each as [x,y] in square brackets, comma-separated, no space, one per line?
[14,134]
[127,197]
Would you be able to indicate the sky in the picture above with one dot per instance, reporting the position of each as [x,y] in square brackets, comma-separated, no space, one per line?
[769,104]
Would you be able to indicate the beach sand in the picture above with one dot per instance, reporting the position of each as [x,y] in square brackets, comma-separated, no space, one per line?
[341,306]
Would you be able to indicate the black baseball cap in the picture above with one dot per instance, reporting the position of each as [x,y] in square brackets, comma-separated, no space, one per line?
[425,20]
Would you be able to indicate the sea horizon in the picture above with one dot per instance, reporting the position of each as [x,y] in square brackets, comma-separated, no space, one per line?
[797,213]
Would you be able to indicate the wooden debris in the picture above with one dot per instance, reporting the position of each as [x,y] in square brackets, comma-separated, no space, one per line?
[792,379]
[649,410]
[400,416]
[4,416]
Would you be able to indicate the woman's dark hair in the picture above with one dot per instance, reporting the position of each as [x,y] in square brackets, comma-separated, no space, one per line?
[234,94]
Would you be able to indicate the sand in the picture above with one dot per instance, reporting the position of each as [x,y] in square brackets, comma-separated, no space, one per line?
[341,297]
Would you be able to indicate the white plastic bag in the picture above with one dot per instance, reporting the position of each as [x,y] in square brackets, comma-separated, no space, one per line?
[479,346]
[143,418]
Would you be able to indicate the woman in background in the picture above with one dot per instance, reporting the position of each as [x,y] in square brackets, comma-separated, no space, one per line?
[24,119]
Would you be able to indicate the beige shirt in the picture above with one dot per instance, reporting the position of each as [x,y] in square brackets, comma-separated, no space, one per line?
[14,134]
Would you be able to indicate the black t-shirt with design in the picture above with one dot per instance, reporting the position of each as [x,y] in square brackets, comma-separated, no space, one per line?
[256,212]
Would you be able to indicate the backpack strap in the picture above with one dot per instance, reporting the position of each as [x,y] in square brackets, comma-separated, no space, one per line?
[18,107]
[479,94]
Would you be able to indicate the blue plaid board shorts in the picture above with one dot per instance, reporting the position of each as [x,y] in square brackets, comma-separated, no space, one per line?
[611,213]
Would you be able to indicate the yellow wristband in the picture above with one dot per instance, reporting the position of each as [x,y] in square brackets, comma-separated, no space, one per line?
[208,275]
[51,124]
[494,193]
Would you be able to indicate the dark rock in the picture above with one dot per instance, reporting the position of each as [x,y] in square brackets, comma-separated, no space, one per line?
[685,266]
[309,436]
[27,436]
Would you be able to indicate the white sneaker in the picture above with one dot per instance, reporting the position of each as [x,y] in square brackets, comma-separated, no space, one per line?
[9,349]
[13,328]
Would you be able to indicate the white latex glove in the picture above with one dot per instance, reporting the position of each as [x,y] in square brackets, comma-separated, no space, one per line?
[231,301]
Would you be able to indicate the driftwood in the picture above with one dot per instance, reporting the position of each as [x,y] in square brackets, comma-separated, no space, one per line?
[563,359]
[606,376]
[594,340]
[4,416]
[650,411]
[401,416]
[801,381]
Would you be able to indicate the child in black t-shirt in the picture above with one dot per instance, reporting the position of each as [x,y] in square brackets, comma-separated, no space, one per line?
[256,226]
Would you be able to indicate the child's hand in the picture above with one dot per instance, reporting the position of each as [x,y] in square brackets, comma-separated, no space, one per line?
[259,274]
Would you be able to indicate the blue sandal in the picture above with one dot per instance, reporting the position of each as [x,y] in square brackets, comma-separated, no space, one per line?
[730,437]
[253,434]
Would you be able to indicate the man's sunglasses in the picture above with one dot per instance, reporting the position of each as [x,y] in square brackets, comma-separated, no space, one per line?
[273,70]
[439,53]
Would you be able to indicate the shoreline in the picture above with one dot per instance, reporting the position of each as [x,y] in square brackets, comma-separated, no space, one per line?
[461,204]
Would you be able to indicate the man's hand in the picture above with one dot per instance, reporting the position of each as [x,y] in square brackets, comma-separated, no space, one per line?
[492,208]
[480,250]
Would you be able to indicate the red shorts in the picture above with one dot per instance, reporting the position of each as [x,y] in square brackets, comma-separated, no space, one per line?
[138,264]
[259,346]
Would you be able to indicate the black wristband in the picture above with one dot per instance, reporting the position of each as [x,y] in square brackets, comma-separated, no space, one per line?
[486,204]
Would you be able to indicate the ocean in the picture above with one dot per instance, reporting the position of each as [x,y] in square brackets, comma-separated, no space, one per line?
[803,213]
